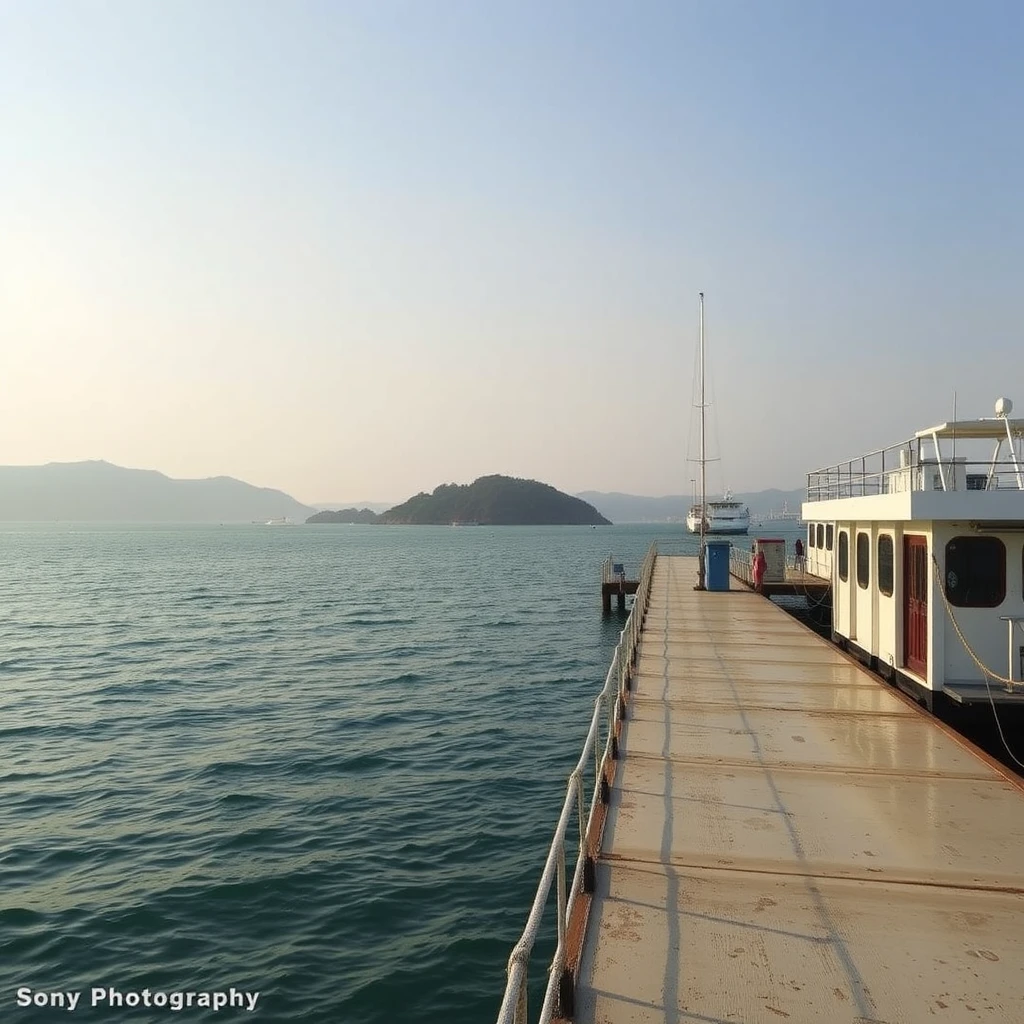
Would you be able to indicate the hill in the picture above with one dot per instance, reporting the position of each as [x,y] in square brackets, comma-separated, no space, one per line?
[101,492]
[496,501]
[636,508]
[345,515]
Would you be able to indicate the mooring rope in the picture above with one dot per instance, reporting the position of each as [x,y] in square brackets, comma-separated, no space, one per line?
[986,672]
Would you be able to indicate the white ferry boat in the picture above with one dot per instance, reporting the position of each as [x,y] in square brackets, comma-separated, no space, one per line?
[922,543]
[724,516]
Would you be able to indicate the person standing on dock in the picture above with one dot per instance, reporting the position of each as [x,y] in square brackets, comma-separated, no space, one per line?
[798,550]
[760,564]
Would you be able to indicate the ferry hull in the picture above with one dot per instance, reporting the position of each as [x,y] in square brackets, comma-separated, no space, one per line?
[733,527]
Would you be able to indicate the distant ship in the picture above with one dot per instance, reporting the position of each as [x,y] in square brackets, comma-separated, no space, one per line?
[783,514]
[725,516]
[276,521]
[464,522]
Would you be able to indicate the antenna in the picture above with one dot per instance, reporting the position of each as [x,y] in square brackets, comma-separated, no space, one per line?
[952,468]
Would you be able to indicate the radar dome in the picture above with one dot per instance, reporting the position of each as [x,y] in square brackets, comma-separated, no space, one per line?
[1003,407]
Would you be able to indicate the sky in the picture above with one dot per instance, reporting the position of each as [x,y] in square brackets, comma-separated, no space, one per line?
[355,250]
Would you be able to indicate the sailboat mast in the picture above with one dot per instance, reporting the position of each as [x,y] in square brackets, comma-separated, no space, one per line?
[703,458]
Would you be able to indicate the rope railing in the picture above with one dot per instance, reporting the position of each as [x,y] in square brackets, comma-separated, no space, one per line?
[609,710]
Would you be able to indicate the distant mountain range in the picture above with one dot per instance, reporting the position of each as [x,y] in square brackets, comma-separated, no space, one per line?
[635,508]
[99,491]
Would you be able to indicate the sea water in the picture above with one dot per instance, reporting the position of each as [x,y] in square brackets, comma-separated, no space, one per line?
[318,763]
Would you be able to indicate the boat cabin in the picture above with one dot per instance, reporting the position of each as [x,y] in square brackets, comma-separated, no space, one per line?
[923,543]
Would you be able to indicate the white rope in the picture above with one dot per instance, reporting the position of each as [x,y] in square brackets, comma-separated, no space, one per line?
[985,670]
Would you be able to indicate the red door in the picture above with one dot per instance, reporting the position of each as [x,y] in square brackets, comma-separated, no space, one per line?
[915,604]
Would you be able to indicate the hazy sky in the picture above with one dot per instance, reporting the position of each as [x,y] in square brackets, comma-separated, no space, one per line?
[354,250]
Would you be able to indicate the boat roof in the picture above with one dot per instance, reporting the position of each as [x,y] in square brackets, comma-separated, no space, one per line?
[993,429]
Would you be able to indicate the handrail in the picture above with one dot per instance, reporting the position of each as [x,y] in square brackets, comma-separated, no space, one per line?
[740,565]
[609,706]
[905,467]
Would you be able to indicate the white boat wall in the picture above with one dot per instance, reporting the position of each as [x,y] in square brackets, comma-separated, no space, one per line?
[923,544]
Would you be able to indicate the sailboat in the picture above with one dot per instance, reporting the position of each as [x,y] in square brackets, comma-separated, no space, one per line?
[727,515]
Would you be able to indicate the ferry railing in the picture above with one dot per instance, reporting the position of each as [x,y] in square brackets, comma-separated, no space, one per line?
[609,710]
[910,467]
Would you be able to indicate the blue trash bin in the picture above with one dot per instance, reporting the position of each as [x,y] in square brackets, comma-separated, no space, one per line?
[716,565]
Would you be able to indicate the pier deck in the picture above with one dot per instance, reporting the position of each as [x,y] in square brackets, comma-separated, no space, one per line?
[797,583]
[788,839]
[615,584]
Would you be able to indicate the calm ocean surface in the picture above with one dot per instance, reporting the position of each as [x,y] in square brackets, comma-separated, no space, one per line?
[319,762]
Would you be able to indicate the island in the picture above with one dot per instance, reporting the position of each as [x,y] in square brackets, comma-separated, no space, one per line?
[345,515]
[489,501]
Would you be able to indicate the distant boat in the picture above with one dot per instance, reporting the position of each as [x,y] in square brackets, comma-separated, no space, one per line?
[724,516]
[277,521]
[464,522]
[784,513]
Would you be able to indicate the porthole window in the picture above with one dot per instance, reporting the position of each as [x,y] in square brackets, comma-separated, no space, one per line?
[844,555]
[885,564]
[828,537]
[975,572]
[863,560]
[820,534]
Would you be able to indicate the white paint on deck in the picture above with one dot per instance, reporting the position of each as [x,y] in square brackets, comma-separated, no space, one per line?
[789,840]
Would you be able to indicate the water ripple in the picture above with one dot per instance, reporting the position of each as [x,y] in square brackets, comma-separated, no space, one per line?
[321,764]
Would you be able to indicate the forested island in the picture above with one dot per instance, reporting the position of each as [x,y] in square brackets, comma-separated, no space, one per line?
[345,515]
[489,501]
